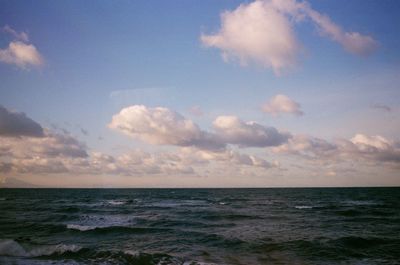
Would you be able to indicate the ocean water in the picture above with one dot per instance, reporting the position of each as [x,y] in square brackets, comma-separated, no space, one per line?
[200,226]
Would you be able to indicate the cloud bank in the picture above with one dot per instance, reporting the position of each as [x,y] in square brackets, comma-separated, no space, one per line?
[58,153]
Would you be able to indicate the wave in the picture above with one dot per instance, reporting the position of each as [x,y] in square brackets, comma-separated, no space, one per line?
[67,254]
[91,222]
[361,203]
[229,217]
[117,202]
[301,207]
[178,203]
[10,247]
[81,227]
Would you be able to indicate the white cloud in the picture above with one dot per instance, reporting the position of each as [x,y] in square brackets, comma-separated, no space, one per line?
[155,125]
[257,32]
[352,42]
[21,54]
[52,153]
[307,146]
[161,126]
[361,148]
[365,141]
[262,32]
[282,104]
[247,134]
[50,145]
[228,157]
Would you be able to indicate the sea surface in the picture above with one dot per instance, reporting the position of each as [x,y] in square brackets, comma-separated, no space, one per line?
[200,226]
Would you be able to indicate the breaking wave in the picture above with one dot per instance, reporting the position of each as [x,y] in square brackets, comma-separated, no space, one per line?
[10,247]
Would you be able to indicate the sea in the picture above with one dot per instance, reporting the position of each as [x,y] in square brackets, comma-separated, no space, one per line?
[200,226]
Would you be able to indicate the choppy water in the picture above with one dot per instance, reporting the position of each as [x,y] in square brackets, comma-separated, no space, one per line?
[200,226]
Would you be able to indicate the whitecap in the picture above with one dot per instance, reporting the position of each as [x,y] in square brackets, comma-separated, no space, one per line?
[303,207]
[91,222]
[173,203]
[360,203]
[132,253]
[53,249]
[116,202]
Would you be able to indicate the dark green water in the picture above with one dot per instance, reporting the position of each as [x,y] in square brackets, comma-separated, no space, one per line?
[200,226]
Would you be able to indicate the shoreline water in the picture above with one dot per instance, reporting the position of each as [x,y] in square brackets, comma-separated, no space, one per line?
[200,226]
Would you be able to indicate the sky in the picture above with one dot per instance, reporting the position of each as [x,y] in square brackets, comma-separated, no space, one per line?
[270,93]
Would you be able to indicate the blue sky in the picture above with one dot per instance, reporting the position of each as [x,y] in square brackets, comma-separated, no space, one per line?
[101,57]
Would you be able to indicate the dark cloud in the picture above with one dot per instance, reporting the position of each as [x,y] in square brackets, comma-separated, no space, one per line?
[15,124]
[84,132]
[381,107]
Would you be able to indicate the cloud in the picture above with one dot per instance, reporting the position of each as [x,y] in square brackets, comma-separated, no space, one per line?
[16,124]
[228,158]
[365,141]
[256,33]
[262,32]
[360,148]
[282,104]
[21,54]
[60,153]
[247,134]
[381,107]
[22,36]
[196,111]
[352,42]
[161,126]
[50,145]
[307,146]
[52,153]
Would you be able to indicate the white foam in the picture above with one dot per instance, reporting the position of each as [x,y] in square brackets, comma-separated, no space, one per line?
[132,252]
[49,250]
[116,202]
[303,207]
[173,203]
[90,222]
